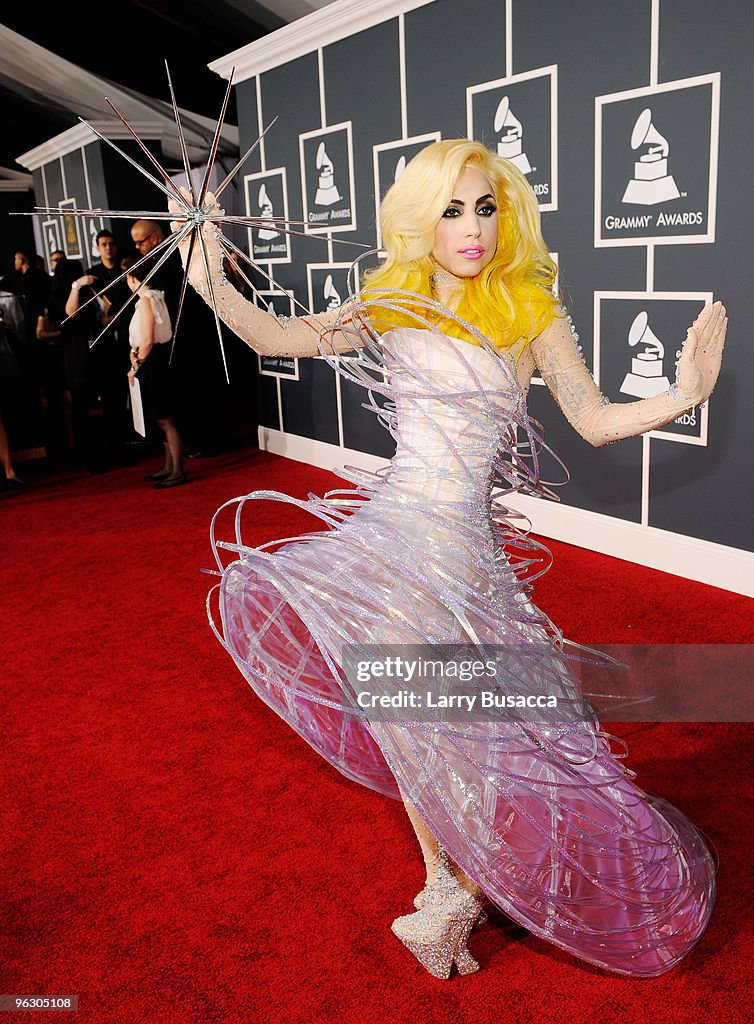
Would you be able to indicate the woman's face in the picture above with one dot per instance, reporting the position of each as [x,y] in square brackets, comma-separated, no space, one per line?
[466,235]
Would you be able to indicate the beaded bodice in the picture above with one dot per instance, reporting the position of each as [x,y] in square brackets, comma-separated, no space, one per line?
[454,403]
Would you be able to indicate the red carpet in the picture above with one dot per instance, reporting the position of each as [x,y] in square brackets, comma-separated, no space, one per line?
[172,852]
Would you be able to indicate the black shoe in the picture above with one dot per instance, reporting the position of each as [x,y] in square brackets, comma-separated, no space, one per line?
[171,481]
[161,474]
[14,483]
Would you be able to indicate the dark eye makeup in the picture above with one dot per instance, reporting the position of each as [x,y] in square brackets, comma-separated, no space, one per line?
[484,209]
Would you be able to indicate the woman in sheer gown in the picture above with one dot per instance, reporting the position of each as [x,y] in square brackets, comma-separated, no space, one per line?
[539,817]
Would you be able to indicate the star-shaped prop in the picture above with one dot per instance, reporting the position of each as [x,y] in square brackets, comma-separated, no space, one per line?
[193,211]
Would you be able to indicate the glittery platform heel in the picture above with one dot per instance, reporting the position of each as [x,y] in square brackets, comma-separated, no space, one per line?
[444,878]
[420,901]
[437,934]
[438,940]
[465,962]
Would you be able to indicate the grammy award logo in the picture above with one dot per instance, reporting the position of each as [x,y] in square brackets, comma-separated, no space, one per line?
[327,192]
[330,294]
[646,377]
[327,179]
[511,132]
[266,196]
[651,204]
[267,229]
[400,167]
[651,183]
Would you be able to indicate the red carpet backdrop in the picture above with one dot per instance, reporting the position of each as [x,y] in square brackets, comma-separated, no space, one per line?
[172,852]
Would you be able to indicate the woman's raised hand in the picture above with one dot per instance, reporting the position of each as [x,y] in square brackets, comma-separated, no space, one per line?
[701,354]
[209,230]
[174,207]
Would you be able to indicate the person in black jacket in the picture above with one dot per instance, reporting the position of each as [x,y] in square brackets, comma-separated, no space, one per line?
[196,362]
[109,360]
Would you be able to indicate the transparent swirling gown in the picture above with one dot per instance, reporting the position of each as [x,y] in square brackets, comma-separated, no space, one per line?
[544,816]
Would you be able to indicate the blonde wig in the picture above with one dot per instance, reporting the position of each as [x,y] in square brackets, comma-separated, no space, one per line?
[512,297]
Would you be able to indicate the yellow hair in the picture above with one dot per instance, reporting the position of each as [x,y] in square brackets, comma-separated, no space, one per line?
[512,298]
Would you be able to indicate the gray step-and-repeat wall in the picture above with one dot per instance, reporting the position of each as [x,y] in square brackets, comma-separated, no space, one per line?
[632,122]
[91,176]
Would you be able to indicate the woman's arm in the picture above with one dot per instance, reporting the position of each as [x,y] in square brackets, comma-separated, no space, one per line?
[72,302]
[146,329]
[600,421]
[46,330]
[263,331]
[146,336]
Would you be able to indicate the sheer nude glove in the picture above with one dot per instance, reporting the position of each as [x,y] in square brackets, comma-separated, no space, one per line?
[701,355]
[599,421]
[264,332]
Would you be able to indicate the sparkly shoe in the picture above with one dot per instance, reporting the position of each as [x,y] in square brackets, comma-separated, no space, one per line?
[421,898]
[438,932]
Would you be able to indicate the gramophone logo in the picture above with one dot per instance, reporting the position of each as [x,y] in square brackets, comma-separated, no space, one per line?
[267,229]
[511,133]
[328,285]
[326,157]
[651,183]
[51,230]
[94,227]
[330,294]
[637,340]
[517,117]
[390,160]
[646,376]
[266,194]
[71,236]
[275,301]
[327,191]
[668,193]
